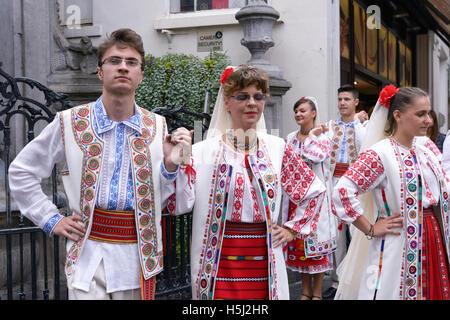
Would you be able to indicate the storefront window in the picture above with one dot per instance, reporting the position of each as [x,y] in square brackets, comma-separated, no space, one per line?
[378,50]
[382,57]
[359,16]
[408,67]
[405,64]
[372,49]
[344,29]
[392,57]
[177,6]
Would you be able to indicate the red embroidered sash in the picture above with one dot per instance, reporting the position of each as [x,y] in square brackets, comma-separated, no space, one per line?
[120,227]
[113,226]
[340,169]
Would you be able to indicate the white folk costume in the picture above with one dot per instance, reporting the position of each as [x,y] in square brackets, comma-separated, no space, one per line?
[114,178]
[394,179]
[446,154]
[236,201]
[224,193]
[427,142]
[313,255]
[346,140]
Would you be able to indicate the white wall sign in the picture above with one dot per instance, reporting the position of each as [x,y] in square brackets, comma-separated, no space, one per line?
[209,41]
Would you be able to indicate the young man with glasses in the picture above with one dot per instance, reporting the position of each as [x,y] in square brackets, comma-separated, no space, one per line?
[118,158]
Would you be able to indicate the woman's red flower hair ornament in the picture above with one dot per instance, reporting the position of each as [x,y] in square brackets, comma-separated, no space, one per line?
[386,95]
[225,74]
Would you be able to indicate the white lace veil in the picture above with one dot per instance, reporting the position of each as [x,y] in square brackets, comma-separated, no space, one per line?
[351,269]
[221,119]
[316,104]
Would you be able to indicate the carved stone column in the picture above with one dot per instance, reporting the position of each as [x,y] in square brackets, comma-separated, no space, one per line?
[257,19]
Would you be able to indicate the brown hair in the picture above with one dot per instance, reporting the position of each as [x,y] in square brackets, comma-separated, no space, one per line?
[306,100]
[122,38]
[245,76]
[400,101]
[349,88]
[433,131]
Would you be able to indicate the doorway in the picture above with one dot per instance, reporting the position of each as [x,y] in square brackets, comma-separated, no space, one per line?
[368,93]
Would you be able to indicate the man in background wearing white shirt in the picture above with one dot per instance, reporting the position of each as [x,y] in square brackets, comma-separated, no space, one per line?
[346,135]
[117,158]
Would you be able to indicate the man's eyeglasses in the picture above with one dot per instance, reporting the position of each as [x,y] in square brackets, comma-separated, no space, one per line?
[241,97]
[115,61]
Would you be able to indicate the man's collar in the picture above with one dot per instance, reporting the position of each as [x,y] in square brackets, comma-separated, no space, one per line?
[104,124]
[340,122]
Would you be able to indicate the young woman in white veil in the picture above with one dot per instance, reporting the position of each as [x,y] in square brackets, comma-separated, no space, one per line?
[234,185]
[312,256]
[399,251]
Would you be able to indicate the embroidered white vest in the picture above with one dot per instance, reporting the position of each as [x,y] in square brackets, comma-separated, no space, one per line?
[84,156]
[336,142]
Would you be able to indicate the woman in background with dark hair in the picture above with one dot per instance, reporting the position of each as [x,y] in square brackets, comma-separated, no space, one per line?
[312,256]
[399,251]
[433,132]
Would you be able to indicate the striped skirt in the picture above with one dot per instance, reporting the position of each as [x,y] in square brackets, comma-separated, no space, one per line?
[435,273]
[243,267]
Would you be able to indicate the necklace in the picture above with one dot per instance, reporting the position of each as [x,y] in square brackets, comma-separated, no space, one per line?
[305,133]
[242,146]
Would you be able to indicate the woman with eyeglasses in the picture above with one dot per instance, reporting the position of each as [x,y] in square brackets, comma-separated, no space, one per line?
[235,183]
[312,256]
[400,250]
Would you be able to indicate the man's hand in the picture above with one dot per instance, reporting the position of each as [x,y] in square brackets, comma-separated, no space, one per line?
[362,116]
[177,148]
[319,129]
[69,227]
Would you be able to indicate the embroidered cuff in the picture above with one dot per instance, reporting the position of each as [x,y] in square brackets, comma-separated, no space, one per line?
[168,175]
[48,227]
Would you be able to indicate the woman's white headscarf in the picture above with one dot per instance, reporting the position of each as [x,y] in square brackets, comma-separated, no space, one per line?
[351,269]
[221,119]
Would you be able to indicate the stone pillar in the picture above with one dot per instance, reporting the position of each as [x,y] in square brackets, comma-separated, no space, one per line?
[257,19]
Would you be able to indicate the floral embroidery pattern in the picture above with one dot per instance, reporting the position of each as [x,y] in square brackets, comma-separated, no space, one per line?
[346,203]
[238,203]
[365,170]
[343,141]
[257,215]
[91,146]
[151,259]
[214,233]
[296,176]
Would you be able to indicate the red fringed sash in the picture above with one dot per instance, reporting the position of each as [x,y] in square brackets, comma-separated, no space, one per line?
[120,227]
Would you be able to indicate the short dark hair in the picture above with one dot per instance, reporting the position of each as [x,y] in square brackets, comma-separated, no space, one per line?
[349,88]
[122,38]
